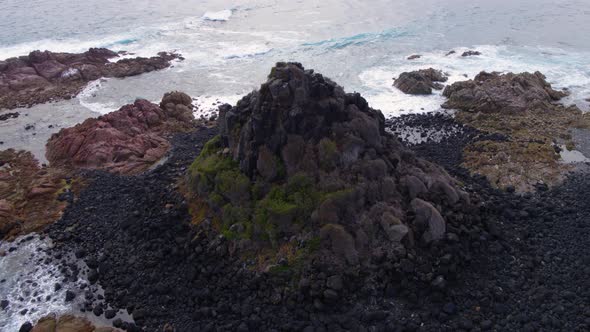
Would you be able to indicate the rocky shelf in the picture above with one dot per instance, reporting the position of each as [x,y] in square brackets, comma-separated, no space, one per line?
[48,76]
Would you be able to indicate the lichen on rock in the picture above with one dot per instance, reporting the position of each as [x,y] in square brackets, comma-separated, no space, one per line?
[31,196]
[520,110]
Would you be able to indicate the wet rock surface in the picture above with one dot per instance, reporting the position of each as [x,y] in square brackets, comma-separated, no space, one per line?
[68,323]
[493,92]
[10,115]
[31,196]
[470,53]
[45,76]
[522,108]
[126,141]
[420,82]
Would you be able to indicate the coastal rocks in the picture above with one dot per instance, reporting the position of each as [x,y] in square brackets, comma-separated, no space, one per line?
[45,76]
[322,166]
[29,193]
[470,53]
[68,323]
[414,57]
[126,141]
[489,92]
[420,82]
[522,109]
[11,115]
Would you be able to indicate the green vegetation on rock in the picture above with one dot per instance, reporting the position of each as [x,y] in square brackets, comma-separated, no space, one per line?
[252,209]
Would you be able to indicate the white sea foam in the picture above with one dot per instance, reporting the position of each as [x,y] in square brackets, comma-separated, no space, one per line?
[392,102]
[563,70]
[29,284]
[228,50]
[222,15]
[207,105]
[89,93]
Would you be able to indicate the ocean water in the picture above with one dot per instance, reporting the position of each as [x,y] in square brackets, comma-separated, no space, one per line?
[28,278]
[230,47]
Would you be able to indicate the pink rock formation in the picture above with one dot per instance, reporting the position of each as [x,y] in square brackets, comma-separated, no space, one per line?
[126,141]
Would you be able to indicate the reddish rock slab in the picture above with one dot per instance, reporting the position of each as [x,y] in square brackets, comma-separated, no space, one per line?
[47,76]
[127,141]
[31,196]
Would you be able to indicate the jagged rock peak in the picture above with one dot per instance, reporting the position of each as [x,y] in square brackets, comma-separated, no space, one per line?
[294,102]
[301,159]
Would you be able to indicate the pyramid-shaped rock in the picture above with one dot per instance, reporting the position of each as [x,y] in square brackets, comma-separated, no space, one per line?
[300,161]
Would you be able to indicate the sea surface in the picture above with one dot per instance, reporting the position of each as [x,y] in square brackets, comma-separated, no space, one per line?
[230,47]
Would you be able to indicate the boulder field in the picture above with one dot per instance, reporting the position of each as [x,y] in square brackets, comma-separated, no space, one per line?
[47,76]
[126,141]
[302,213]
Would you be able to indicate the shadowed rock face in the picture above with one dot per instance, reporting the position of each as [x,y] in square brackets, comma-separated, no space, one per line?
[126,141]
[362,191]
[489,92]
[45,76]
[420,82]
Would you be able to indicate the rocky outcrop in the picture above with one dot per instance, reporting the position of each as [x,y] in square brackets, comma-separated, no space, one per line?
[31,196]
[522,109]
[489,92]
[316,167]
[68,323]
[11,115]
[45,76]
[420,82]
[126,141]
[470,53]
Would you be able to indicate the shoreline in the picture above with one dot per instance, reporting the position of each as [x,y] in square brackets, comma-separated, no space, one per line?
[153,262]
[450,309]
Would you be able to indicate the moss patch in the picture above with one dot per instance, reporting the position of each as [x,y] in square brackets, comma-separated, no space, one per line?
[255,210]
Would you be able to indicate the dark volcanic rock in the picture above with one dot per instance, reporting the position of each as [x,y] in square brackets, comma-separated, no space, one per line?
[26,327]
[489,92]
[525,234]
[125,141]
[6,116]
[44,76]
[414,56]
[420,82]
[470,53]
[70,295]
[326,142]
